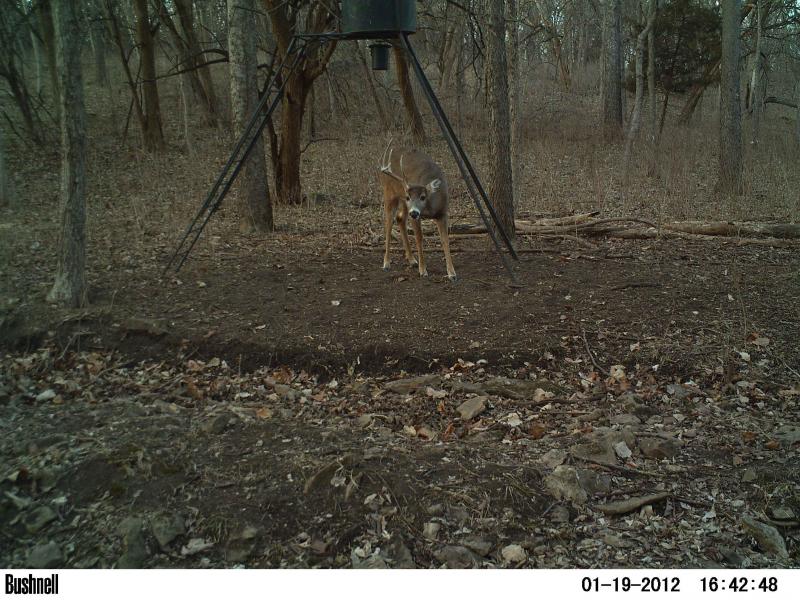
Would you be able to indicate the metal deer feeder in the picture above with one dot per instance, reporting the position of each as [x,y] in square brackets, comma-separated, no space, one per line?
[382,21]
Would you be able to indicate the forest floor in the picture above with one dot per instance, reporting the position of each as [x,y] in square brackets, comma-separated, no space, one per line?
[284,402]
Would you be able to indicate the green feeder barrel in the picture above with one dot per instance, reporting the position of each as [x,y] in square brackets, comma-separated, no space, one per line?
[372,19]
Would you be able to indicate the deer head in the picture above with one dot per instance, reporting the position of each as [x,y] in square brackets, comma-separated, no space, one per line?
[417,194]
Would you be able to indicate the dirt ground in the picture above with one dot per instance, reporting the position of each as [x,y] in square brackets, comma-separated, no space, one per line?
[247,410]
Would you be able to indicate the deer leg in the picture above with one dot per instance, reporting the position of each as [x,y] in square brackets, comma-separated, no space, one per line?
[441,224]
[402,220]
[388,220]
[423,272]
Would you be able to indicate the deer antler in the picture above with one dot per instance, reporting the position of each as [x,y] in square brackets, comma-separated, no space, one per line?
[386,164]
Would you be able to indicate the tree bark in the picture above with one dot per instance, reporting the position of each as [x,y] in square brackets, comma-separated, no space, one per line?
[69,288]
[256,204]
[153,134]
[515,98]
[730,156]
[612,70]
[407,93]
[99,45]
[636,117]
[48,37]
[207,93]
[6,185]
[651,92]
[756,91]
[797,114]
[501,188]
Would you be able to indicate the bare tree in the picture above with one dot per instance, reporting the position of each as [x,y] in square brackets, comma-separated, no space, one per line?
[730,139]
[152,132]
[407,93]
[254,191]
[501,180]
[653,129]
[612,70]
[69,288]
[636,117]
[286,18]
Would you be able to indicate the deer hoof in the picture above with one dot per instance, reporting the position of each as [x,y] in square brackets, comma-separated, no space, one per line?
[412,262]
[423,273]
[453,278]
[385,266]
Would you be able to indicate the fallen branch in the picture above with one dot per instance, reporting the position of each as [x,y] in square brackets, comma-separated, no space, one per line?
[625,506]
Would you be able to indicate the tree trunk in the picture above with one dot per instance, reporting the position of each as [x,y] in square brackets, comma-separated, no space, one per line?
[256,204]
[636,117]
[410,103]
[69,288]
[516,80]
[48,37]
[730,157]
[612,70]
[208,95]
[6,185]
[651,91]
[99,45]
[797,114]
[756,92]
[501,188]
[153,134]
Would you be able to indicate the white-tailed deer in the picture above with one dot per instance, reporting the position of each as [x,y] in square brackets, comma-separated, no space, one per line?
[413,185]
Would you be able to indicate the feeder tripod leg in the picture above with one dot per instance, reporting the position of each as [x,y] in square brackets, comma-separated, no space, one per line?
[266,106]
[476,191]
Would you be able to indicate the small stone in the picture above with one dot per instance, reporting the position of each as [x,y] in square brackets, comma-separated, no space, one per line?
[552,458]
[659,448]
[412,384]
[514,554]
[469,409]
[782,513]
[626,419]
[678,391]
[38,518]
[242,544]
[622,450]
[563,484]
[594,482]
[788,435]
[559,514]
[431,530]
[216,425]
[457,557]
[285,392]
[749,476]
[401,556]
[364,420]
[45,556]
[768,538]
[435,509]
[733,558]
[479,546]
[166,528]
[133,544]
[46,395]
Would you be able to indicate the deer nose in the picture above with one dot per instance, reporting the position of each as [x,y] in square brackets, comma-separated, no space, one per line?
[414,214]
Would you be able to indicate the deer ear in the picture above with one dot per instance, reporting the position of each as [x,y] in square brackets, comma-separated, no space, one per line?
[434,185]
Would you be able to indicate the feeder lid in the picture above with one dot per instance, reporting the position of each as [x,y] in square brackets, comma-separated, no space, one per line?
[371,19]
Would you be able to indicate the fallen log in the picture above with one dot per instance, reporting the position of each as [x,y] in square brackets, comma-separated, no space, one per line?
[785,231]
